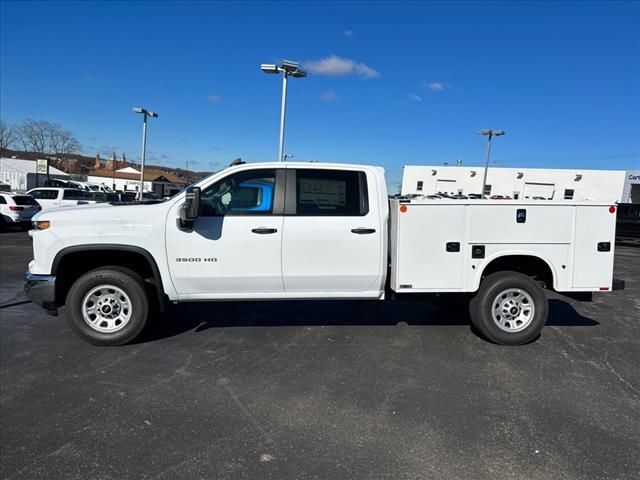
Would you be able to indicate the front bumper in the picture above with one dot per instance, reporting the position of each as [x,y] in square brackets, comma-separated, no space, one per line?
[41,290]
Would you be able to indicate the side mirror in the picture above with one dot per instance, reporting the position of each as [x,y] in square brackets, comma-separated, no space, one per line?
[190,209]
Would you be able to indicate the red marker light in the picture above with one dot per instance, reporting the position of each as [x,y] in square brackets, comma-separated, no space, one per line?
[403,208]
[612,209]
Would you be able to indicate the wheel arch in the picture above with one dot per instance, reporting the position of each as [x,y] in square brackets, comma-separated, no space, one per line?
[76,260]
[530,264]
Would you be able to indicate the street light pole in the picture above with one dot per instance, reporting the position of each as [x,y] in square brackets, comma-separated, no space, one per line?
[144,152]
[283,114]
[145,114]
[490,134]
[288,69]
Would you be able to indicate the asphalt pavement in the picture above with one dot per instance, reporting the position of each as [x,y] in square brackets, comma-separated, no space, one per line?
[320,390]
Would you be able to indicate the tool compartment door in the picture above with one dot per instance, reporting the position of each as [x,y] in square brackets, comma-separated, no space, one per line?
[423,261]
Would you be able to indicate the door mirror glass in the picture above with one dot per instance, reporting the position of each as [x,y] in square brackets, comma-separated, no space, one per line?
[190,209]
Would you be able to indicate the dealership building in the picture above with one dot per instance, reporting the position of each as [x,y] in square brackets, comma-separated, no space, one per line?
[524,183]
[631,191]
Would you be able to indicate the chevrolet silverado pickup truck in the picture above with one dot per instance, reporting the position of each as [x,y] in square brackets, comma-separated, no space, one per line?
[280,231]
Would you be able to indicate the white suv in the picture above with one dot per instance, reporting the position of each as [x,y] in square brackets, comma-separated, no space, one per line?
[17,209]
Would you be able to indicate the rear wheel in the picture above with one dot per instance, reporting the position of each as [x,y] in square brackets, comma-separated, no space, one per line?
[509,309]
[107,306]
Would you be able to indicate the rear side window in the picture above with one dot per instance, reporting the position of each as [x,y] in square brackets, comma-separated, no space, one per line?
[24,200]
[44,194]
[76,195]
[2,200]
[331,192]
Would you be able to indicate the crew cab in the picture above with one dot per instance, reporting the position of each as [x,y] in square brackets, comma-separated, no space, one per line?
[277,231]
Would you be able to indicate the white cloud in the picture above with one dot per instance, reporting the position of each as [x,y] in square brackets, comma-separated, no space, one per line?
[334,66]
[213,98]
[415,98]
[348,33]
[437,86]
[328,96]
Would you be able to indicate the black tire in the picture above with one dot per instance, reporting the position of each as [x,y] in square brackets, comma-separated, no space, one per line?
[124,279]
[490,296]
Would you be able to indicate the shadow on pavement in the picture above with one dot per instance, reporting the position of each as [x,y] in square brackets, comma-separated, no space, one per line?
[203,316]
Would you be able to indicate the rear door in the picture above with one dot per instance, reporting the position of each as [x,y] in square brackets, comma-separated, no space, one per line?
[332,236]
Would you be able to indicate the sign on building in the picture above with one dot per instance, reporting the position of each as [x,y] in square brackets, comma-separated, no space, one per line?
[42,166]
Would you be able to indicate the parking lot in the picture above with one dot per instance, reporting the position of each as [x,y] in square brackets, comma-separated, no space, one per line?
[321,390]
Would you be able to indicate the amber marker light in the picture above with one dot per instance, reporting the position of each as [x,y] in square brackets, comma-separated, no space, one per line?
[41,224]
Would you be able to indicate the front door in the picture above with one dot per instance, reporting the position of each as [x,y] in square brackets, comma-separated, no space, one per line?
[332,233]
[233,250]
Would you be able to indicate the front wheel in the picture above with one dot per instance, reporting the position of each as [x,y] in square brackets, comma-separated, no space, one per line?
[509,309]
[107,306]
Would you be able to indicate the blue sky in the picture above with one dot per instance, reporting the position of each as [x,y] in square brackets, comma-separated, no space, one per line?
[389,84]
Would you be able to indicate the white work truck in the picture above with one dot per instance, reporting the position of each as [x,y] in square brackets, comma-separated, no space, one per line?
[279,231]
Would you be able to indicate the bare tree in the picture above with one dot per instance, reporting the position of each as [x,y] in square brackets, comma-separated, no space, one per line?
[35,134]
[40,136]
[62,142]
[7,136]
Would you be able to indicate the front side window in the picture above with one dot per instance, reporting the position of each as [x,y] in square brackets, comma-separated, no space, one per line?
[2,200]
[331,192]
[44,194]
[243,193]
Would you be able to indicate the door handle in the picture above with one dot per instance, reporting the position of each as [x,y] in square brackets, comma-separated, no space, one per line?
[264,231]
[363,231]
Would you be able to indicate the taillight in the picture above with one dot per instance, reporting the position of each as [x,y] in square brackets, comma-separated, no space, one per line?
[15,209]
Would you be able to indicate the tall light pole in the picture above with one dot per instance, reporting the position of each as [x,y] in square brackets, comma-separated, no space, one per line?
[288,69]
[490,134]
[145,114]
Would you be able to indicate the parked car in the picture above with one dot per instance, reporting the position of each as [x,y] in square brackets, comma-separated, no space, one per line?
[500,197]
[52,197]
[17,209]
[474,196]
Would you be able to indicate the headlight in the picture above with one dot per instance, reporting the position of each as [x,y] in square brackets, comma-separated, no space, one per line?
[41,224]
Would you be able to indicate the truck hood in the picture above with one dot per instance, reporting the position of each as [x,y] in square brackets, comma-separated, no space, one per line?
[100,213]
